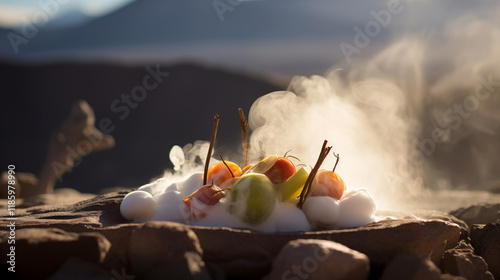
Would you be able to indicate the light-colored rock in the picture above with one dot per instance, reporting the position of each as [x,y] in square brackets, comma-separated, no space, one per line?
[411,267]
[165,249]
[319,259]
[486,242]
[463,262]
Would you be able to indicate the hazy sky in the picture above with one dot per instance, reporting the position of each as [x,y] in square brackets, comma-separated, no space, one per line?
[16,12]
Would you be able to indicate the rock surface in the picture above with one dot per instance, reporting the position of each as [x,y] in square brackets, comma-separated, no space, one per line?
[319,259]
[243,253]
[462,261]
[89,212]
[478,214]
[40,252]
[486,242]
[427,215]
[168,249]
[411,267]
[60,197]
[421,238]
[75,268]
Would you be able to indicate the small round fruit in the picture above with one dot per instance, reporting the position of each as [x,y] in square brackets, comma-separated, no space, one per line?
[328,183]
[277,169]
[218,172]
[281,170]
[253,198]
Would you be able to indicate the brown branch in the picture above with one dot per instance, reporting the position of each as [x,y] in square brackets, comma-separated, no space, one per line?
[336,162]
[306,191]
[244,137]
[210,148]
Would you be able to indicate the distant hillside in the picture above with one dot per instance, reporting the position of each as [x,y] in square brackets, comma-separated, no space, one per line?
[36,99]
[287,37]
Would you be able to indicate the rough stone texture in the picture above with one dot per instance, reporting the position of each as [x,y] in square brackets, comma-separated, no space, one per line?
[478,214]
[462,261]
[88,213]
[486,242]
[411,267]
[60,197]
[381,242]
[242,252]
[319,259]
[163,248]
[40,252]
[428,215]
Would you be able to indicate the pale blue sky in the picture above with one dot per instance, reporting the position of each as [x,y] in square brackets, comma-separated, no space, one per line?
[13,12]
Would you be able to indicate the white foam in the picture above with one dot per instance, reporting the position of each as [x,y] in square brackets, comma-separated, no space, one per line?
[357,208]
[162,201]
[289,218]
[323,211]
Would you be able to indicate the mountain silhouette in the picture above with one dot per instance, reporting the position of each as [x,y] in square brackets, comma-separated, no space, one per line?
[180,110]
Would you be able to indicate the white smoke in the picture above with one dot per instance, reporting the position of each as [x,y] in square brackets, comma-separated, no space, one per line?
[389,117]
[394,119]
[367,130]
[186,160]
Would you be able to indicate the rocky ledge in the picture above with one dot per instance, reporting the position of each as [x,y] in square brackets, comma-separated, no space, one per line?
[91,239]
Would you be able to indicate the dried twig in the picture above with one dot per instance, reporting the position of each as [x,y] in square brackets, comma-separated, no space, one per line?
[307,186]
[227,166]
[244,137]
[210,148]
[336,162]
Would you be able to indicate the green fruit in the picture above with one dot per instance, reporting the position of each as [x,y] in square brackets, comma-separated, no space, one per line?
[292,187]
[252,198]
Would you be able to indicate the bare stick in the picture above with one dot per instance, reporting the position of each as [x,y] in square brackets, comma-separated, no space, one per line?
[227,166]
[210,148]
[336,162]
[244,137]
[308,185]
